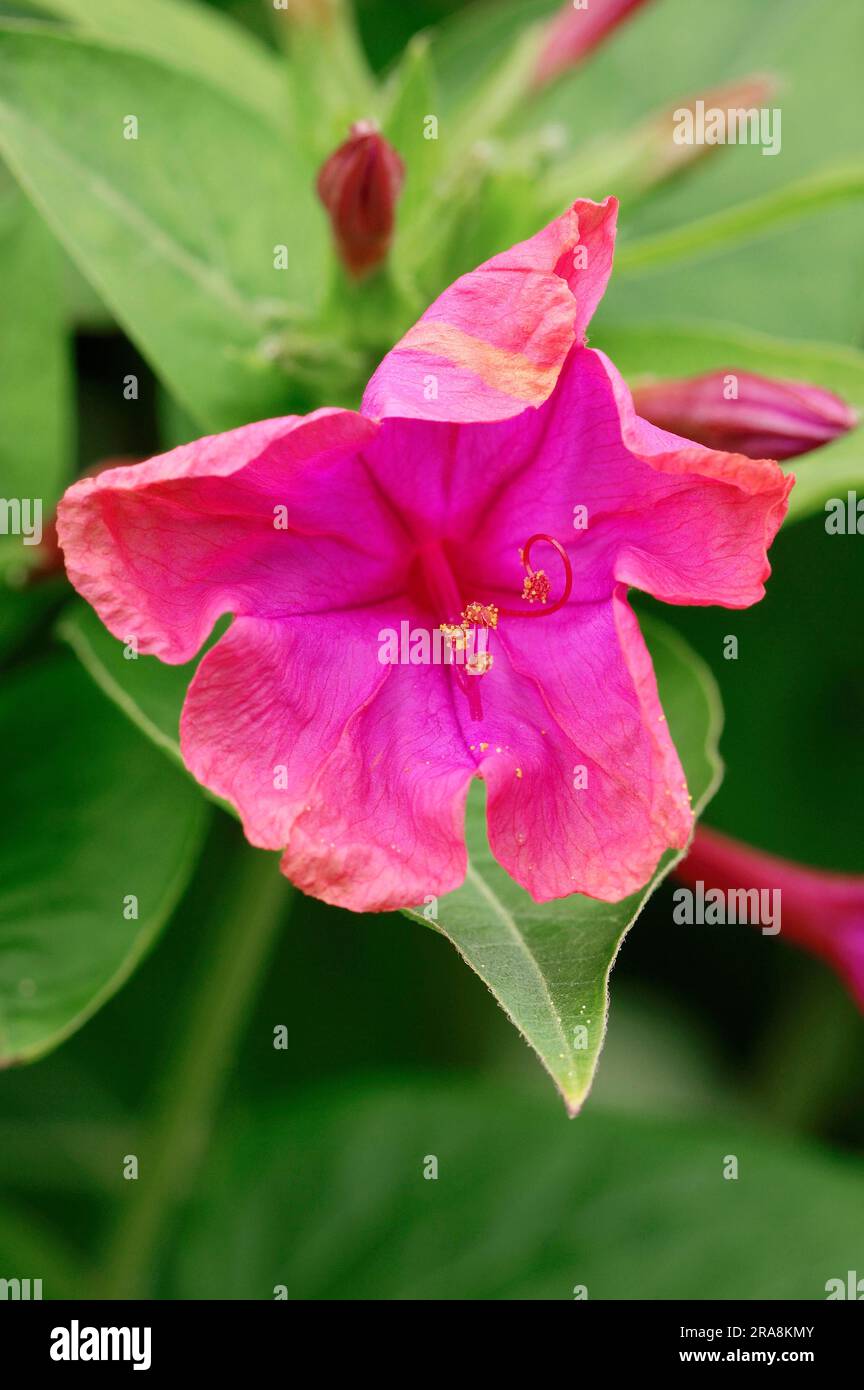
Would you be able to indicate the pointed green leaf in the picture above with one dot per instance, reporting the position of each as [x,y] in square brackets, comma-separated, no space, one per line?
[548,964]
[411,98]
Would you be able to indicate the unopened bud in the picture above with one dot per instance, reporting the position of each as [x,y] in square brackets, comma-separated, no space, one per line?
[359,186]
[577,29]
[742,413]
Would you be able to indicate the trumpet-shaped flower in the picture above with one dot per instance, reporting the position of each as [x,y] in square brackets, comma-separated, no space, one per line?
[495,478]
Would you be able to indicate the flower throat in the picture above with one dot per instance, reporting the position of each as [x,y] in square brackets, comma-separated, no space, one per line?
[536,588]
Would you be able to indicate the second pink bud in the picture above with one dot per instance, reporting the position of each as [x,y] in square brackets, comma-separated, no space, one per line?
[742,413]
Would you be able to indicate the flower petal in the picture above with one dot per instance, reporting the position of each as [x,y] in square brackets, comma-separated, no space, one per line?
[495,341]
[358,770]
[679,521]
[161,549]
[577,691]
[707,520]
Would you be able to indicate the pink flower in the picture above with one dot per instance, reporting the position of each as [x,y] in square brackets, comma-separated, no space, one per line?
[820,911]
[577,29]
[359,186]
[487,438]
[749,414]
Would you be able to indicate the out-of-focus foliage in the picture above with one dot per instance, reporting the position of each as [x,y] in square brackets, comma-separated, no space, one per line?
[37,435]
[104,838]
[516,1207]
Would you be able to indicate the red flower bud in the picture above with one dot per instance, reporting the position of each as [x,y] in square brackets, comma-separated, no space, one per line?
[742,413]
[577,29]
[359,186]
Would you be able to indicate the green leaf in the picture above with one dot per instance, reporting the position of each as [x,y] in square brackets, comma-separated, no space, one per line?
[723,230]
[97,817]
[494,209]
[683,349]
[330,80]
[465,159]
[193,37]
[176,229]
[548,964]
[477,39]
[499,95]
[36,434]
[327,1198]
[411,97]
[150,692]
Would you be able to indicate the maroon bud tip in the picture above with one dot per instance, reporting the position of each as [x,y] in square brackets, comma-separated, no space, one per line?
[359,186]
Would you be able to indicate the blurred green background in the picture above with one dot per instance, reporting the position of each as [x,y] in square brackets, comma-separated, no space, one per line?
[721,1041]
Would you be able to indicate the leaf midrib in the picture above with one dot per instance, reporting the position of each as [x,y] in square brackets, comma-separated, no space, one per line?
[474,877]
[207,277]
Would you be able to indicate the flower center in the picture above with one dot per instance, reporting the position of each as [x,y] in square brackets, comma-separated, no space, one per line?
[468,639]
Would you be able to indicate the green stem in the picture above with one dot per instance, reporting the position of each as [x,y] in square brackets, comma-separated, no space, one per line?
[239,943]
